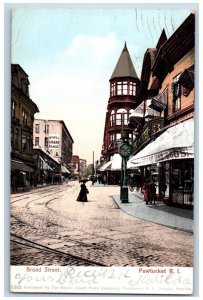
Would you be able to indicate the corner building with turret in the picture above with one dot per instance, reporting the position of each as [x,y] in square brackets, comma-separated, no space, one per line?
[124,89]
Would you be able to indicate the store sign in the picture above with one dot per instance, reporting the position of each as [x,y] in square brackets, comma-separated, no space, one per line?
[182,153]
[175,154]
[54,141]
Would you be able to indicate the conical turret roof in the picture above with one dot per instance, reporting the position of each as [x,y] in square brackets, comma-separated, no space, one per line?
[124,67]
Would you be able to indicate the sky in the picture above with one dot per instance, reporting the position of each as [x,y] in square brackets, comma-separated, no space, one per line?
[70,55]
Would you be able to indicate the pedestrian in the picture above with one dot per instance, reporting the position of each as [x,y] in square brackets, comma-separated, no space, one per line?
[82,197]
[92,179]
[153,191]
[147,193]
[104,179]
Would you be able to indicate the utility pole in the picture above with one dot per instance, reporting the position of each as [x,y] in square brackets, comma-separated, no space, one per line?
[93,163]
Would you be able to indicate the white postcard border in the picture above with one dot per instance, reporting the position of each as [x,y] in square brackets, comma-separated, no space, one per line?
[102,280]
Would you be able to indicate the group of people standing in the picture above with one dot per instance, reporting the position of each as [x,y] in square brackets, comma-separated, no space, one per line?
[150,192]
[101,179]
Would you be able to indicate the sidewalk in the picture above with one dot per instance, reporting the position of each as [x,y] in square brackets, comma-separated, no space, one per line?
[177,218]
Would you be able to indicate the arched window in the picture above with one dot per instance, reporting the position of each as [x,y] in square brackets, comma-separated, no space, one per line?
[121,117]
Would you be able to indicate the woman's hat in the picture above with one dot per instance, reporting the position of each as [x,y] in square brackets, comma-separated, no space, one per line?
[83,179]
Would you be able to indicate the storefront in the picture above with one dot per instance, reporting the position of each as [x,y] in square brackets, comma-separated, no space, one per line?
[112,170]
[169,161]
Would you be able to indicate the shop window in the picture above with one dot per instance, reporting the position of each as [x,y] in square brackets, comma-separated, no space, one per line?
[182,182]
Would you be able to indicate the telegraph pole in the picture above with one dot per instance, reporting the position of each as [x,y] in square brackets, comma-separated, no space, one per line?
[93,163]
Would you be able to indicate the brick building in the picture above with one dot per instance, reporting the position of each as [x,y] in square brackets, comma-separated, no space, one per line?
[124,89]
[23,110]
[53,137]
[164,119]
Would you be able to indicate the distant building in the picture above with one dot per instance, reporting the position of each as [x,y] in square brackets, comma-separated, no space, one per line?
[75,166]
[82,167]
[23,110]
[53,137]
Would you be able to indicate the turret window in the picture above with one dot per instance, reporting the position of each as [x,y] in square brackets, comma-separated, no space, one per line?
[119,88]
[112,118]
[121,117]
[113,89]
[132,87]
[123,88]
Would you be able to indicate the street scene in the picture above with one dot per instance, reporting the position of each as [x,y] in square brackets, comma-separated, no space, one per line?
[102,139]
[49,227]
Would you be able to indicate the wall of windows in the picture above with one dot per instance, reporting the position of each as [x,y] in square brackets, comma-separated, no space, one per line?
[126,87]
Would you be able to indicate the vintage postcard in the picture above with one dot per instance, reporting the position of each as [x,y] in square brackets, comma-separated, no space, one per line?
[102,150]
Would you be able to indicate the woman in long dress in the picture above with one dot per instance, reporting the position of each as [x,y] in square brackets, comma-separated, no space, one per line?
[82,197]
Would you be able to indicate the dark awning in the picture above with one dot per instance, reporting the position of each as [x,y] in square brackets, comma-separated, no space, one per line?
[157,105]
[187,78]
[19,165]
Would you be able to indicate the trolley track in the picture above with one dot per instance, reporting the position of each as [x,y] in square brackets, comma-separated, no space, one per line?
[76,260]
[47,194]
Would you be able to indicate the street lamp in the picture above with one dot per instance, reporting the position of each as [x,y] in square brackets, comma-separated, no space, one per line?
[125,150]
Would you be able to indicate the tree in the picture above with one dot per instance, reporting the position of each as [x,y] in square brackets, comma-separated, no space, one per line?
[90,170]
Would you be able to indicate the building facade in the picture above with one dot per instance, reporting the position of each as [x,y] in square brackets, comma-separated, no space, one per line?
[23,110]
[124,89]
[75,166]
[82,167]
[53,137]
[164,118]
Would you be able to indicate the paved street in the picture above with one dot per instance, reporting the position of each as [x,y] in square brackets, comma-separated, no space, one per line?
[63,231]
